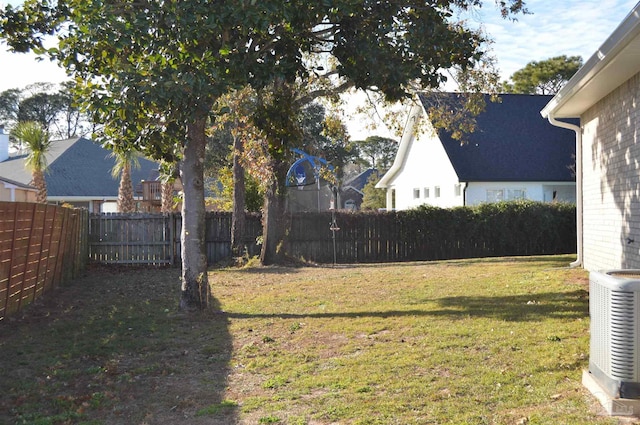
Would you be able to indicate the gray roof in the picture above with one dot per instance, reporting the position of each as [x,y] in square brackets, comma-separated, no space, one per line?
[77,167]
[358,182]
[512,143]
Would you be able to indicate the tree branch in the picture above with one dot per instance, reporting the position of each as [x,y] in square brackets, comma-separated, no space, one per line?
[309,97]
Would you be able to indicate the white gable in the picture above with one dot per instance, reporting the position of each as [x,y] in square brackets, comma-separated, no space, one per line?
[422,172]
[427,176]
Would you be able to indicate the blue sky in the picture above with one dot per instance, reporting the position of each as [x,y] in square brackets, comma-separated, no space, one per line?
[560,27]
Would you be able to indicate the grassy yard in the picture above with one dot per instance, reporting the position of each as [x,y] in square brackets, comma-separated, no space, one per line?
[496,341]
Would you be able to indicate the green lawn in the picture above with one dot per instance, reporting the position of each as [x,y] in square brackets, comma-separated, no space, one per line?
[495,341]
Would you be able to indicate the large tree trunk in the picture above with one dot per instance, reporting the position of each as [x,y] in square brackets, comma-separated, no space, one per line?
[195,293]
[275,222]
[39,183]
[239,190]
[126,201]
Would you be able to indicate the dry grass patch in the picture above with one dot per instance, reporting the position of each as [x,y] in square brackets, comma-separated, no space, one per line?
[496,341]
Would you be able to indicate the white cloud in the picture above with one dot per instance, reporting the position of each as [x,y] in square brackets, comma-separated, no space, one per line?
[569,27]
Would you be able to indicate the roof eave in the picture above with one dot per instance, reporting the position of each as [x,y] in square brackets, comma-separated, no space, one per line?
[59,198]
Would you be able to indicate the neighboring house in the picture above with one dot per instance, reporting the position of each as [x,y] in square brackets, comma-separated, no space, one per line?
[351,194]
[605,95]
[13,191]
[513,154]
[78,173]
[151,188]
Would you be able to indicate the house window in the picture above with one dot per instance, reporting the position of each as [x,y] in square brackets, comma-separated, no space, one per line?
[496,195]
[514,194]
[457,190]
[426,192]
[416,193]
[436,191]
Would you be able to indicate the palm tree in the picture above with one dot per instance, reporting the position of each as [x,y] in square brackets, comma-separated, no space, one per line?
[36,138]
[125,160]
[168,173]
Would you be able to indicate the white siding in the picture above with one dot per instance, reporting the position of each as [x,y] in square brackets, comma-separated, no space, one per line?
[611,180]
[426,166]
[534,191]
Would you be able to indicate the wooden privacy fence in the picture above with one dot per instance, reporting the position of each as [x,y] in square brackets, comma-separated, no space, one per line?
[133,238]
[429,234]
[438,234]
[154,239]
[40,247]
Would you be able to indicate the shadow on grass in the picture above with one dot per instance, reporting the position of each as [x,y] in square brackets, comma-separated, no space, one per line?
[277,270]
[111,348]
[555,261]
[517,308]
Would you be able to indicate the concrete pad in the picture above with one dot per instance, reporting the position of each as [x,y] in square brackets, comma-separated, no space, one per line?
[613,406]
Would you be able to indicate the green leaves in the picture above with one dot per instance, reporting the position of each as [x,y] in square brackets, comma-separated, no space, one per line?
[33,135]
[544,77]
[163,62]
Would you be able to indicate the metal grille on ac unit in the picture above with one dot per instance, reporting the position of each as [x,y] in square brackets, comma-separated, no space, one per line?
[614,302]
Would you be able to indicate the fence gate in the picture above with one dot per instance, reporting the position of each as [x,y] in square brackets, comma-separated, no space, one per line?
[145,239]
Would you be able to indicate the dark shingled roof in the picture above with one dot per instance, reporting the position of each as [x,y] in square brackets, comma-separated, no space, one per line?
[512,143]
[358,182]
[78,167]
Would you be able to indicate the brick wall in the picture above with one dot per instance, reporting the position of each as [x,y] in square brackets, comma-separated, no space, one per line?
[611,180]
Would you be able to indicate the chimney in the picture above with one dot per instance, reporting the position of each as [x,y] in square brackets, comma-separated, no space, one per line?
[4,144]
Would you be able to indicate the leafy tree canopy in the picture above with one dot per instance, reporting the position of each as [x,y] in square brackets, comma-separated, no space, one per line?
[543,77]
[151,71]
[326,136]
[139,60]
[377,152]
[373,197]
[221,188]
[51,105]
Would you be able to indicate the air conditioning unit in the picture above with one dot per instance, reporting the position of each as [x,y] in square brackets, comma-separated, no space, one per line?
[614,356]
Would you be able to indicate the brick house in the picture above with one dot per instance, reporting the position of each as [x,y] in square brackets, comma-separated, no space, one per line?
[605,95]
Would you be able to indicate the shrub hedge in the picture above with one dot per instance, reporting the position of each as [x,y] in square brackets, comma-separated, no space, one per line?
[429,233]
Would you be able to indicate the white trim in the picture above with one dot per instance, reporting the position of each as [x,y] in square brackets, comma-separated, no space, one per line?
[352,188]
[82,198]
[408,135]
